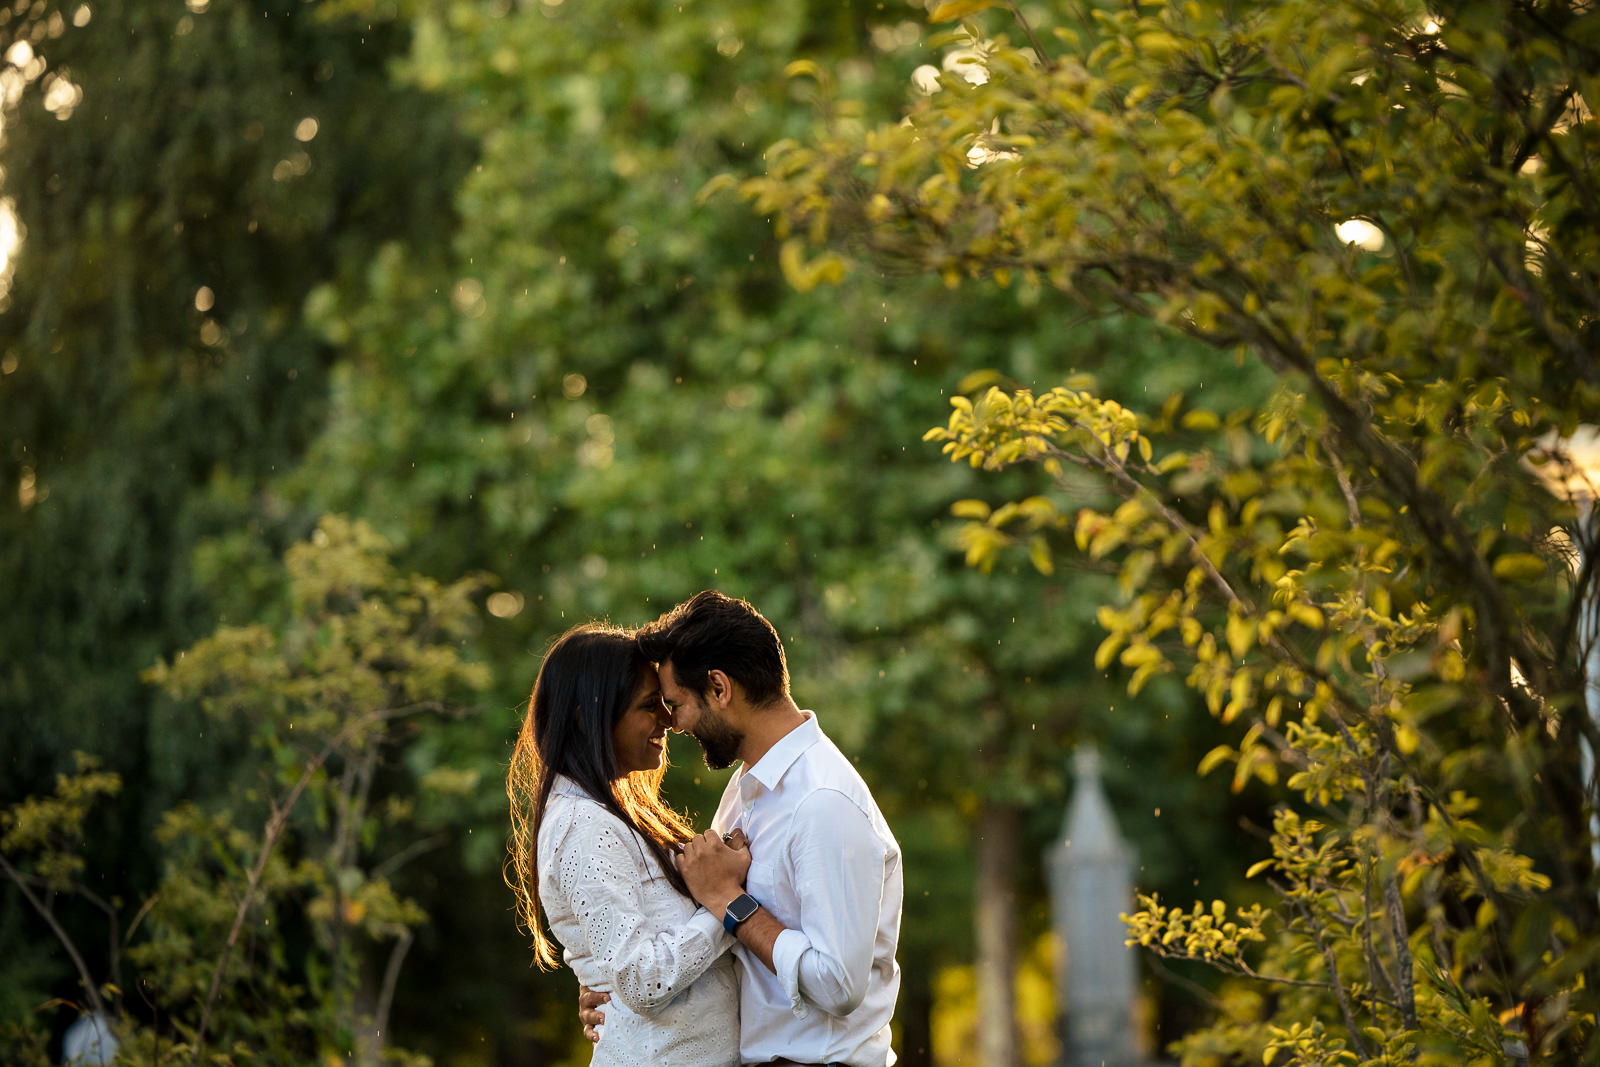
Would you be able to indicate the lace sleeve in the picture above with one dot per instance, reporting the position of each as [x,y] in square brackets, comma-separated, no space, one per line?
[602,874]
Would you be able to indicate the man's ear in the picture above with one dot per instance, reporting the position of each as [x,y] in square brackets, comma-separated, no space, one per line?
[719,688]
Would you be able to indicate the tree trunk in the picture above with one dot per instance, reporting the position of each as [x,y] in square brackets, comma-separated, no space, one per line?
[995,907]
[915,1016]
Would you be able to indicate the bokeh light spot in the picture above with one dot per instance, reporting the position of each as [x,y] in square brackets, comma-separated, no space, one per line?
[1361,233]
[506,605]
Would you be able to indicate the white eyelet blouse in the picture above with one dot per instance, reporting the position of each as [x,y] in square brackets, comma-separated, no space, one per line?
[625,930]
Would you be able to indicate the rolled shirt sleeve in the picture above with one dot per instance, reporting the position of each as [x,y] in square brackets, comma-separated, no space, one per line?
[838,861]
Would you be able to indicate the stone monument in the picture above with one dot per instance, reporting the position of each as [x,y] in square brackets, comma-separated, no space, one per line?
[1091,883]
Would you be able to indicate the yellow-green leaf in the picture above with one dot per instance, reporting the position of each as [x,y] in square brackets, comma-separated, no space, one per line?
[1241,635]
[1209,761]
[1306,615]
[1519,567]
[1107,650]
[803,67]
[1039,552]
[953,10]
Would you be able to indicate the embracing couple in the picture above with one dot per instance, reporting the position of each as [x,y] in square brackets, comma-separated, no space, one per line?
[768,939]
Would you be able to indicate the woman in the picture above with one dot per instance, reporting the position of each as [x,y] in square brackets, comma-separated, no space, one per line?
[592,844]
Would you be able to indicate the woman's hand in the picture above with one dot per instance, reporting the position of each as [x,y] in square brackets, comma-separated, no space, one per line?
[589,1013]
[715,869]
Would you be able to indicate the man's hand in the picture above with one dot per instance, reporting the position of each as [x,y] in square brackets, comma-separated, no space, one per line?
[589,1012]
[714,869]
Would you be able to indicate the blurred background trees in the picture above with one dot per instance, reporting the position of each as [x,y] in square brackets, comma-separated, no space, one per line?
[458,270]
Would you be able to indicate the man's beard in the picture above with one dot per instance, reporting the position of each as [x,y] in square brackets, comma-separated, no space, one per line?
[720,740]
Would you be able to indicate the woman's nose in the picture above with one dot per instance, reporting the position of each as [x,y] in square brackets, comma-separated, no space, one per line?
[664,716]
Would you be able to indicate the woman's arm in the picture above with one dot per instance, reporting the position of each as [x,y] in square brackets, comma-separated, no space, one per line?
[602,875]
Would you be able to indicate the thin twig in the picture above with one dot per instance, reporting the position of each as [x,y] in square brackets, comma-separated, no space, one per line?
[1374,961]
[1195,989]
[1111,465]
[1346,488]
[409,853]
[1339,992]
[1243,970]
[275,827]
[95,1002]
[391,978]
[115,952]
[1038,49]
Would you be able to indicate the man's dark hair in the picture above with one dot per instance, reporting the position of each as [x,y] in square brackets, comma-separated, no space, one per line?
[711,632]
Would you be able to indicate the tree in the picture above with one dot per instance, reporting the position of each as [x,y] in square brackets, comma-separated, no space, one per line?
[177,198]
[276,931]
[181,175]
[1381,574]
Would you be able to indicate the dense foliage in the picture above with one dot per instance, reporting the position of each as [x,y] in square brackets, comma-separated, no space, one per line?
[456,269]
[258,940]
[1379,576]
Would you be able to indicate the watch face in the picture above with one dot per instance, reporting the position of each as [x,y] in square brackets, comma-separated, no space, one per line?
[742,907]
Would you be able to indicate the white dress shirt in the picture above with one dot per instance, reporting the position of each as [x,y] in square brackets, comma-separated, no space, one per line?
[823,862]
[626,931]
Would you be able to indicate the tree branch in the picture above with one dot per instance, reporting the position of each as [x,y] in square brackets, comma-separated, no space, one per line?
[95,1003]
[1404,983]
[391,978]
[1038,49]
[1109,463]
[1339,992]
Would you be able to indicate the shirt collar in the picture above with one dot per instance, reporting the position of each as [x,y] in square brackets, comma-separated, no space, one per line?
[566,787]
[770,768]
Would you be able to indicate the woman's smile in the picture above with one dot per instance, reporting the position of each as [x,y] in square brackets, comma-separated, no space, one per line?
[639,738]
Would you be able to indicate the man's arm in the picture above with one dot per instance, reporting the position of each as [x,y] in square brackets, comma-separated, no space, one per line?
[715,880]
[839,862]
[759,934]
[840,865]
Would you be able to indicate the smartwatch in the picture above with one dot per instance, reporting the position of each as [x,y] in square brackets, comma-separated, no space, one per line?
[740,908]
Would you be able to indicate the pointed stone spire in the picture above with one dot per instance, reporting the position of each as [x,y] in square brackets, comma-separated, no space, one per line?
[1091,882]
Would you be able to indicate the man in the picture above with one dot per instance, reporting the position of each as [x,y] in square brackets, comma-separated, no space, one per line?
[818,918]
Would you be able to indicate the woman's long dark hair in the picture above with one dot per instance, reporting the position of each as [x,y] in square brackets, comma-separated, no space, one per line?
[586,683]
